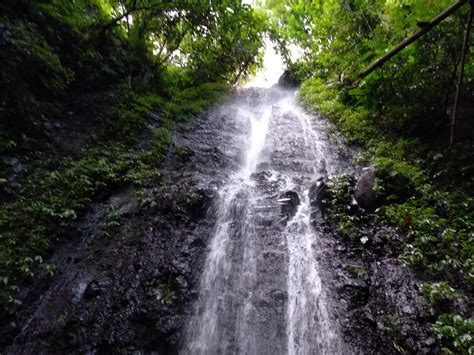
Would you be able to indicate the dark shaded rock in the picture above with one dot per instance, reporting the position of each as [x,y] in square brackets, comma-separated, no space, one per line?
[288,79]
[364,191]
[357,293]
[381,295]
[97,287]
[92,290]
[199,202]
[317,194]
[395,301]
[353,289]
[289,202]
[7,331]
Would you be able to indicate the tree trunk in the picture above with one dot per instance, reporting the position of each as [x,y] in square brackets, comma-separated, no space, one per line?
[461,73]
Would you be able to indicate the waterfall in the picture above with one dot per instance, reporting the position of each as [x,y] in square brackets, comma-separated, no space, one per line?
[262,290]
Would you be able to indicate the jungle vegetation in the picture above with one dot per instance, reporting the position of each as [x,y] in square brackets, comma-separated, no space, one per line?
[401,115]
[98,68]
[101,67]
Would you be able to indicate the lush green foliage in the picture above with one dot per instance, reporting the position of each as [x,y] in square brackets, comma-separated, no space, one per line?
[98,68]
[56,48]
[392,326]
[456,333]
[399,115]
[415,192]
[437,292]
[213,40]
[339,39]
[338,200]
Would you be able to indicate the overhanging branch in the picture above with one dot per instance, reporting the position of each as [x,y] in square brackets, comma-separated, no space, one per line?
[427,27]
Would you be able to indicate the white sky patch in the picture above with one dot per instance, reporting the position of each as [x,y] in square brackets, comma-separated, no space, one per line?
[273,65]
[273,68]
[127,19]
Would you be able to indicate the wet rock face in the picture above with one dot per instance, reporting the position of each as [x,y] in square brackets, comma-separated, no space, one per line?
[126,292]
[131,289]
[396,303]
[317,193]
[289,202]
[380,295]
[199,202]
[128,287]
[377,294]
[364,192]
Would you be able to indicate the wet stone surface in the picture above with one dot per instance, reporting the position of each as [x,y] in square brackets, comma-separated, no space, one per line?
[212,262]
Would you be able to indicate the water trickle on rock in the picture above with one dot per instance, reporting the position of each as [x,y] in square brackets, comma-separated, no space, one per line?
[262,289]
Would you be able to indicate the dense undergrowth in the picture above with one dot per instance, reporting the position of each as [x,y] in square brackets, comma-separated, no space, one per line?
[422,190]
[90,93]
[400,114]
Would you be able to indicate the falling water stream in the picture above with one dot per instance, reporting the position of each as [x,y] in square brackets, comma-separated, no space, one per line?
[262,289]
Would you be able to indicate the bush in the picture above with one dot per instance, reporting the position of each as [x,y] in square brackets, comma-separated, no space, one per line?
[455,333]
[398,180]
[338,200]
[438,292]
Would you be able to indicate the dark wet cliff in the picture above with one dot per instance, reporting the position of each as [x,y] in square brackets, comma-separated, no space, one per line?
[131,277]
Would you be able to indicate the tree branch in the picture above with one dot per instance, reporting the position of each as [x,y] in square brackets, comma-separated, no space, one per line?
[449,11]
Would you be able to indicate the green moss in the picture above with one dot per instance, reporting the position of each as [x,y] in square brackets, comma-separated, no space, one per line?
[392,327]
[356,272]
[194,100]
[354,122]
[168,293]
[183,153]
[158,147]
[193,200]
[398,180]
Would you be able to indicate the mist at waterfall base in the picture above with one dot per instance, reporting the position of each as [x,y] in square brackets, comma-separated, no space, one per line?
[261,289]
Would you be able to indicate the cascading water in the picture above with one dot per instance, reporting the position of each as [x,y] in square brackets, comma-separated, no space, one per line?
[262,290]
[224,310]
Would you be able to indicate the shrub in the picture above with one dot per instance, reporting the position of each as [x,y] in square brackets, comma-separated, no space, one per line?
[437,292]
[455,333]
[338,200]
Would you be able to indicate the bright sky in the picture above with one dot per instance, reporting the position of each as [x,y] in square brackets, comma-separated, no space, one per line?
[273,68]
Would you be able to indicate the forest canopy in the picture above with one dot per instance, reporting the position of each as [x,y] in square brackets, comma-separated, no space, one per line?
[339,39]
[61,45]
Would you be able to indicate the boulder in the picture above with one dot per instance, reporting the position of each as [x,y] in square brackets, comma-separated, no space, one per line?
[287,79]
[317,193]
[364,192]
[289,202]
